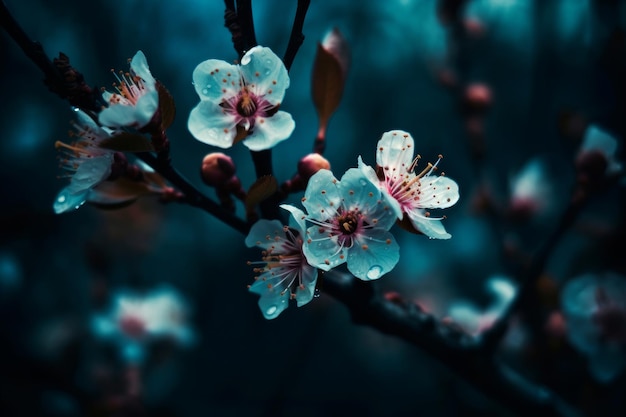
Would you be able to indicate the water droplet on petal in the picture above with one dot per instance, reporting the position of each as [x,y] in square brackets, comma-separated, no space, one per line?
[374,272]
[205,91]
[268,61]
[271,310]
[363,182]
[61,199]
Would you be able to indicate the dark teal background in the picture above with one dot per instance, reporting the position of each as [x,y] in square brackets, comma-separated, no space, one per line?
[542,59]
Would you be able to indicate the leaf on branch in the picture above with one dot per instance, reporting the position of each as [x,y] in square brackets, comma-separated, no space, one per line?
[260,190]
[128,142]
[117,194]
[166,106]
[329,74]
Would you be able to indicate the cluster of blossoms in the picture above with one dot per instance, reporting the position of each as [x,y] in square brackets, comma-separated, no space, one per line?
[345,221]
[349,222]
[88,163]
[135,320]
[594,306]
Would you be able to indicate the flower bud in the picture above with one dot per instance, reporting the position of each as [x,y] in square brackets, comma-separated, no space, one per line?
[217,169]
[596,158]
[477,98]
[310,164]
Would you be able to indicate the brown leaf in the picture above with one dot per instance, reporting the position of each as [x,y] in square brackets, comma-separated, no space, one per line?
[166,106]
[327,84]
[127,142]
[117,194]
[330,69]
[260,190]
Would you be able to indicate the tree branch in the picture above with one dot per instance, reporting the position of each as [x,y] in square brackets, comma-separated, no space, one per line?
[297,37]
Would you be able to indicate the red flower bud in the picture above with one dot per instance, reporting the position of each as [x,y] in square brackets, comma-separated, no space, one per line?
[310,164]
[217,169]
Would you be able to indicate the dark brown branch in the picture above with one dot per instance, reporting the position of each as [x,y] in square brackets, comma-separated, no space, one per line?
[446,343]
[246,21]
[192,196]
[297,37]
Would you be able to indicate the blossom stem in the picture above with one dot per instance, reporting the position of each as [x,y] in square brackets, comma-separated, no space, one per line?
[192,196]
[297,37]
[527,290]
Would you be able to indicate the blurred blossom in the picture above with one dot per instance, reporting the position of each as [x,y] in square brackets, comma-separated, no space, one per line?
[134,320]
[240,102]
[594,306]
[136,100]
[284,273]
[531,190]
[599,142]
[410,192]
[351,221]
[85,161]
[475,320]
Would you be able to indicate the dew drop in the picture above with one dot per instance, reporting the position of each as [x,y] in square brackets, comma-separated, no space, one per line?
[205,91]
[374,272]
[316,293]
[363,182]
[271,310]
[61,199]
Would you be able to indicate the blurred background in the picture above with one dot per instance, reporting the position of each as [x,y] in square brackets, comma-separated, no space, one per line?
[491,86]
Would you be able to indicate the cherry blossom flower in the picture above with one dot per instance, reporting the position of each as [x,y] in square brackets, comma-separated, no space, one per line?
[410,192]
[594,307]
[530,189]
[598,141]
[476,320]
[284,273]
[86,163]
[241,101]
[351,221]
[134,320]
[136,99]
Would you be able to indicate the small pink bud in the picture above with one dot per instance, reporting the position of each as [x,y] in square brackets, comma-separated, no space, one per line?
[474,27]
[310,164]
[477,97]
[217,169]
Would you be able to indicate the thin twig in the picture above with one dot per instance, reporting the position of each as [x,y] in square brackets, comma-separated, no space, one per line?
[297,37]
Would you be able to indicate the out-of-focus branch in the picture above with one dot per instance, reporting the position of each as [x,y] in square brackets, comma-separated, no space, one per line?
[446,343]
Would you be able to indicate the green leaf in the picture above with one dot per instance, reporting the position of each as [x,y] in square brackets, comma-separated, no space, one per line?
[166,106]
[260,190]
[128,142]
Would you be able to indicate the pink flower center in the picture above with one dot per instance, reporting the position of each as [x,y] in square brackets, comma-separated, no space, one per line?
[406,187]
[247,107]
[132,326]
[129,89]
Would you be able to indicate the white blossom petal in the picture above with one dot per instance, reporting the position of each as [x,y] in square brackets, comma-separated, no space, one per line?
[268,131]
[373,255]
[215,80]
[265,71]
[210,125]
[433,228]
[395,151]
